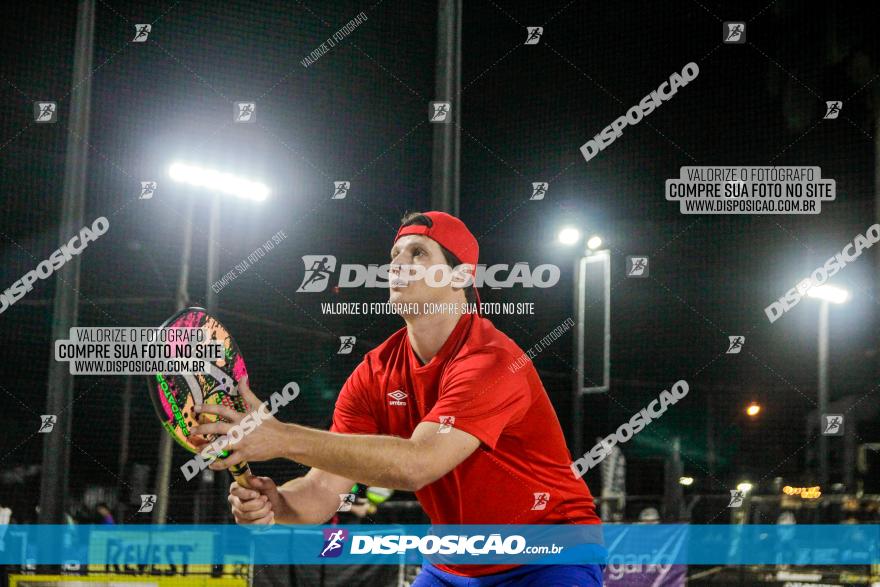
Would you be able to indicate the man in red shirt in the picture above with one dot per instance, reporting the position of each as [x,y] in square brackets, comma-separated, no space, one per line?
[440,408]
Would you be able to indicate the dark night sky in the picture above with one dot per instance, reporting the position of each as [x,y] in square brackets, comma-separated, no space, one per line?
[359,114]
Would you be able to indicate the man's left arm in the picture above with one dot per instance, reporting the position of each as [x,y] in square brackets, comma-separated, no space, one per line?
[480,398]
[385,461]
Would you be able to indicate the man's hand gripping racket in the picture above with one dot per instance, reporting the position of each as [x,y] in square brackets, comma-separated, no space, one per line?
[254,436]
[259,504]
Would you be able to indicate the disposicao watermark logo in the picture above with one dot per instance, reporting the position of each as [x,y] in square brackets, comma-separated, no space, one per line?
[737,496]
[148,501]
[333,542]
[634,115]
[820,275]
[142,33]
[734,32]
[440,112]
[332,40]
[832,109]
[522,360]
[251,259]
[45,112]
[629,429]
[534,34]
[735,344]
[47,423]
[56,261]
[478,544]
[319,269]
[245,112]
[248,424]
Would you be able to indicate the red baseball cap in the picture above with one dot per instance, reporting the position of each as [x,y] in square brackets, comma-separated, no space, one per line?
[452,234]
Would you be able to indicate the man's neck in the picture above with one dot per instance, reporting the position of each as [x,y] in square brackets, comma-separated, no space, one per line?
[428,333]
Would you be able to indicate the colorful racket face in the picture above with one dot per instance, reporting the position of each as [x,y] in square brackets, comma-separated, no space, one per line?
[176,395]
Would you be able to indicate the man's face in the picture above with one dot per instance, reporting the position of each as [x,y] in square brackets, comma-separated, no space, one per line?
[410,252]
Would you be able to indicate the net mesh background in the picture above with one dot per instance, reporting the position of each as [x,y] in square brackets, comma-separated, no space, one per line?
[359,114]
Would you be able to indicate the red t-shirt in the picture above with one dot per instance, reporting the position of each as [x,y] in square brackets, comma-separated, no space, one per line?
[472,378]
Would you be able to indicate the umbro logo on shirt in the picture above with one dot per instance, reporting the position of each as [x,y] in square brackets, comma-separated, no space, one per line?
[397,398]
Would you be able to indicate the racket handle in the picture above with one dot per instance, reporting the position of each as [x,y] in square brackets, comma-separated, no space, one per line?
[242,474]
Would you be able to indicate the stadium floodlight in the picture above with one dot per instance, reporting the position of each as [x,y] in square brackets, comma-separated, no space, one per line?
[218,181]
[829,293]
[745,486]
[569,235]
[686,481]
[598,264]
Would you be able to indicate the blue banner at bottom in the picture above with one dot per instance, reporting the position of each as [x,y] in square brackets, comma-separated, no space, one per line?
[117,548]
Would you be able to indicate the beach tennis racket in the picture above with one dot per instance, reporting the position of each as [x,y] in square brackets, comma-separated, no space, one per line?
[176,395]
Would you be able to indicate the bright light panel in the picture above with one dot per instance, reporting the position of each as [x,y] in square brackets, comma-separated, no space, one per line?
[830,293]
[218,181]
[569,235]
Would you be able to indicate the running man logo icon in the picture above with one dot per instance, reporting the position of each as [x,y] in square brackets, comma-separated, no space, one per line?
[147,189]
[318,271]
[832,109]
[346,500]
[47,423]
[736,498]
[832,424]
[636,266]
[736,344]
[340,189]
[147,503]
[333,541]
[446,423]
[346,345]
[541,501]
[533,34]
[441,112]
[245,112]
[734,32]
[539,190]
[45,112]
[142,31]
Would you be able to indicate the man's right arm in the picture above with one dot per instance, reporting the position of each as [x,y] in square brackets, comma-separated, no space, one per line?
[312,499]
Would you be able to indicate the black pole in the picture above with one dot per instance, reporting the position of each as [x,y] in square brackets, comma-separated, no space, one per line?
[447,137]
[124,435]
[710,441]
[213,237]
[673,494]
[823,390]
[163,470]
[214,483]
[54,480]
[577,392]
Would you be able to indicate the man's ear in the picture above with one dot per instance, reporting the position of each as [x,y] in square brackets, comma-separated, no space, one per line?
[462,276]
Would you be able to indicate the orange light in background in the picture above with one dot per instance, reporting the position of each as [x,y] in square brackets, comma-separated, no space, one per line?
[804,492]
[753,409]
